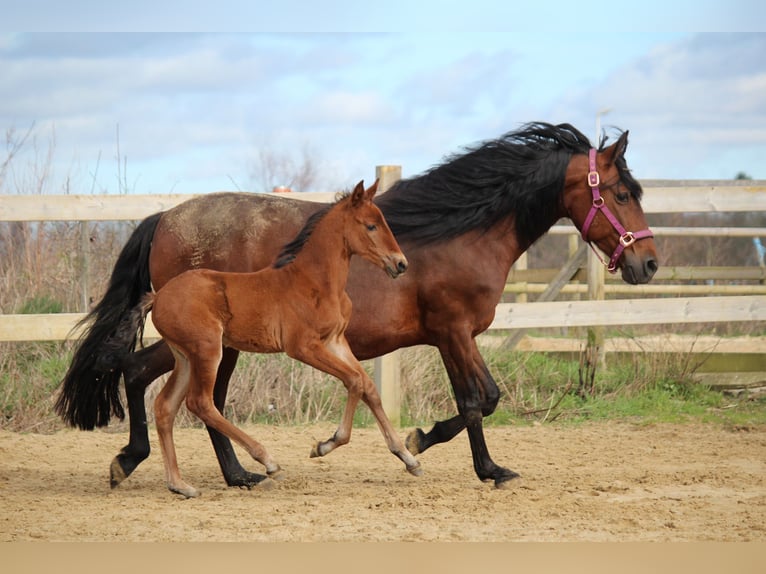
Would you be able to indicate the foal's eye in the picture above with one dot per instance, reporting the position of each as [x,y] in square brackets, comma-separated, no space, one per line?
[371,227]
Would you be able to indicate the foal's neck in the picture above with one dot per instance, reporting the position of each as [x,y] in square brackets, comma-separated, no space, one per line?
[325,257]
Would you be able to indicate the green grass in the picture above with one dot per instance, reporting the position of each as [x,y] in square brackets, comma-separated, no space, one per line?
[535,388]
[656,388]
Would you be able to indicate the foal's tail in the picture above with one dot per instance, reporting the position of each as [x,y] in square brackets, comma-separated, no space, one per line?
[90,389]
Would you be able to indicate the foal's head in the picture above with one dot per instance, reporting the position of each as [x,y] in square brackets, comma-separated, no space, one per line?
[368,234]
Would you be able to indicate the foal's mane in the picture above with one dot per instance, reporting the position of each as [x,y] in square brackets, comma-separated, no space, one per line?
[291,249]
[522,173]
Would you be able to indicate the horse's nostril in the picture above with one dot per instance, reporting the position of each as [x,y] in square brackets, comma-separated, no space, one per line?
[650,267]
[401,266]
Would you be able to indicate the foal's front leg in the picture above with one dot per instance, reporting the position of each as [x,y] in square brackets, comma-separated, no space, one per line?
[337,359]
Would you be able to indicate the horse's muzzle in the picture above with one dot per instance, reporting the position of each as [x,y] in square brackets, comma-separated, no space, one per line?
[638,270]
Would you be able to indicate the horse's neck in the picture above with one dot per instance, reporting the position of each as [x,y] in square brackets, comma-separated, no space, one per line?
[324,259]
[504,242]
[526,242]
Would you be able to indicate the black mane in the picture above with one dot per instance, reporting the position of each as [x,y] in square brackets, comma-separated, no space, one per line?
[291,249]
[522,172]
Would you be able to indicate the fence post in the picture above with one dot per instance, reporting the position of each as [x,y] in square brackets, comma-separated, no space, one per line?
[387,368]
[522,264]
[84,267]
[595,349]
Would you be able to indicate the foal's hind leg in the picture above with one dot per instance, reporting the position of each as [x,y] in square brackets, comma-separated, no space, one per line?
[233,472]
[199,400]
[165,409]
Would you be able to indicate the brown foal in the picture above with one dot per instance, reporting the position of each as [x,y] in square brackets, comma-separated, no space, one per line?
[298,306]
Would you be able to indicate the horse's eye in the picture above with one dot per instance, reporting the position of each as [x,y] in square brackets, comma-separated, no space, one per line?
[371,227]
[622,197]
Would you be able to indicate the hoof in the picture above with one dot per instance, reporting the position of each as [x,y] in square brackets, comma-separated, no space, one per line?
[186,491]
[116,473]
[277,475]
[248,480]
[415,470]
[321,449]
[508,480]
[414,441]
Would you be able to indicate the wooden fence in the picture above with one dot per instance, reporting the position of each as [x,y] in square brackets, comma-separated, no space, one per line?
[742,303]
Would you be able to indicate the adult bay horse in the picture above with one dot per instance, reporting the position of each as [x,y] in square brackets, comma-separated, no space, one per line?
[462,225]
[299,306]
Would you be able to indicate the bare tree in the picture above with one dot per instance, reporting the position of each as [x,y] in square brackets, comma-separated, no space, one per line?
[14,142]
[273,169]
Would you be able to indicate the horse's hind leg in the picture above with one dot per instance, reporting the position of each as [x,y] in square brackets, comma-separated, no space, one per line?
[139,370]
[165,409]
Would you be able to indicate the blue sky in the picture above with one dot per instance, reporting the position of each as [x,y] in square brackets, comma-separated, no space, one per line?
[197,112]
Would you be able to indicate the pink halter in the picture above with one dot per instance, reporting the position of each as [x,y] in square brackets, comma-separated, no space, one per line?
[627,238]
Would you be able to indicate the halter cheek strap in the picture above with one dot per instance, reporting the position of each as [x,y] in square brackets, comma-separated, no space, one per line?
[627,238]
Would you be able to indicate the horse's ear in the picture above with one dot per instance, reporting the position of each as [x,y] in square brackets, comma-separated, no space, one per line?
[372,190]
[618,149]
[358,195]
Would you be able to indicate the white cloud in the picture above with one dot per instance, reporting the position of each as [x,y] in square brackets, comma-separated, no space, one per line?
[193,108]
[685,104]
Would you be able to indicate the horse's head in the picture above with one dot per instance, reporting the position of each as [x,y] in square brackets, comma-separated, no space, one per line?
[368,234]
[604,202]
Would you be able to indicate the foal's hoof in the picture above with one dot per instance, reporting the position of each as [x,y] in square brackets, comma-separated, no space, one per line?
[414,441]
[186,491]
[277,475]
[415,470]
[320,449]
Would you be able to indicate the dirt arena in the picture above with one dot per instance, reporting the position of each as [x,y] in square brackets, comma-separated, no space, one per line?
[597,482]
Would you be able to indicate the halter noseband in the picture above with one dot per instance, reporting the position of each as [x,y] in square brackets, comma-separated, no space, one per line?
[627,238]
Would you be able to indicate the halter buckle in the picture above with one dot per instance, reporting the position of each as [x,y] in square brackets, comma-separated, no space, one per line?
[593,179]
[627,239]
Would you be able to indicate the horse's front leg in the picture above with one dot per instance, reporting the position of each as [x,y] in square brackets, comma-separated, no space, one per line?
[477,395]
[443,431]
[233,472]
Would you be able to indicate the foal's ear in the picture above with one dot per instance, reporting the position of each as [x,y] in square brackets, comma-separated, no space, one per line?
[619,147]
[358,195]
[370,193]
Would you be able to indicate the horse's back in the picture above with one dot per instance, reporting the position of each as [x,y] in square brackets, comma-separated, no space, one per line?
[241,232]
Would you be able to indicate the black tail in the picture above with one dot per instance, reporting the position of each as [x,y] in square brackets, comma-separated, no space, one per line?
[90,388]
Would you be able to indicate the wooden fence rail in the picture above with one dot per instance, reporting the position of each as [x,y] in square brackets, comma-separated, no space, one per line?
[61,326]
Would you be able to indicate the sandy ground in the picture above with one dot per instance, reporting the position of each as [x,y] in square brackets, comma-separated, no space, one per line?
[598,482]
